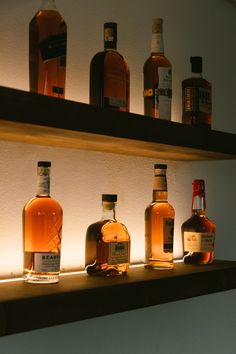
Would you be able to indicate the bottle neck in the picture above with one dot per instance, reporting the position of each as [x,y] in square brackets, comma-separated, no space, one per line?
[48,5]
[160,192]
[108,211]
[157,43]
[196,75]
[43,181]
[110,38]
[199,204]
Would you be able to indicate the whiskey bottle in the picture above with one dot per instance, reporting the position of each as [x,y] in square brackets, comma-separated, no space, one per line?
[109,74]
[157,73]
[159,224]
[42,227]
[47,51]
[196,97]
[198,232]
[107,249]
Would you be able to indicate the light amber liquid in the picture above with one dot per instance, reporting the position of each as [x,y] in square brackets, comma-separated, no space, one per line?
[46,75]
[109,81]
[198,223]
[42,228]
[98,237]
[155,255]
[151,81]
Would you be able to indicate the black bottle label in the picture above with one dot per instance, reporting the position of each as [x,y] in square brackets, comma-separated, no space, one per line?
[53,47]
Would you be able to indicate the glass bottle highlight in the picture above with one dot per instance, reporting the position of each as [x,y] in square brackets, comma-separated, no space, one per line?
[109,74]
[196,97]
[47,51]
[157,75]
[198,231]
[159,224]
[42,231]
[107,248]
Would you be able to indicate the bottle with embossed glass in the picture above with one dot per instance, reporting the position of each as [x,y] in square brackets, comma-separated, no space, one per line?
[196,97]
[107,247]
[42,228]
[157,75]
[109,74]
[47,51]
[159,224]
[198,231]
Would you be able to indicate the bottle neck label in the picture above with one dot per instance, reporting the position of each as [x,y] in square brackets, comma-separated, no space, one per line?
[160,183]
[199,203]
[157,43]
[199,241]
[43,181]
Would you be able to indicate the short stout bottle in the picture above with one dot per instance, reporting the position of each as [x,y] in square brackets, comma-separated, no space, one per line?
[196,97]
[159,224]
[109,74]
[42,228]
[47,51]
[107,248]
[198,232]
[157,74]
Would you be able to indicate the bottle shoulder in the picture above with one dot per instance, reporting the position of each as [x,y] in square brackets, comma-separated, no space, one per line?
[157,60]
[199,223]
[196,82]
[109,56]
[111,230]
[42,202]
[160,207]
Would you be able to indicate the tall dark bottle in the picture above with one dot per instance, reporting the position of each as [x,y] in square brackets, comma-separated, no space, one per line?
[47,51]
[196,97]
[109,74]
[157,75]
[198,231]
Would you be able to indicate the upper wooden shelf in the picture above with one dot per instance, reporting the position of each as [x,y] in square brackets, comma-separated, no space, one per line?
[44,120]
[25,307]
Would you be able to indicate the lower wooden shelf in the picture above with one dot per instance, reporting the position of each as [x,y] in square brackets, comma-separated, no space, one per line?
[25,307]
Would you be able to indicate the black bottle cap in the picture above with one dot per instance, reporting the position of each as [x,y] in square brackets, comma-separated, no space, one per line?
[110,35]
[44,163]
[160,166]
[112,198]
[196,64]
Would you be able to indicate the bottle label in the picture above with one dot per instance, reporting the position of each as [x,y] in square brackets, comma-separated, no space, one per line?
[114,102]
[197,99]
[199,241]
[118,252]
[162,94]
[168,234]
[53,47]
[46,262]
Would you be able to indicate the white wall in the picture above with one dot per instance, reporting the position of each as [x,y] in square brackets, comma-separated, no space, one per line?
[191,27]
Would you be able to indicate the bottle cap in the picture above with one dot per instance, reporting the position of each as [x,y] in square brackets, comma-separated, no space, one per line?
[112,198]
[157,25]
[44,163]
[196,64]
[110,35]
[160,166]
[198,187]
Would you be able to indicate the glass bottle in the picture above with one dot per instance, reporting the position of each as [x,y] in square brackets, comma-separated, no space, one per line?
[196,97]
[47,51]
[107,248]
[42,228]
[159,224]
[109,74]
[198,231]
[157,74]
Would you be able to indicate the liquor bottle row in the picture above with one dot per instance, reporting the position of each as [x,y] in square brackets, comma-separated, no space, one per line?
[109,76]
[107,241]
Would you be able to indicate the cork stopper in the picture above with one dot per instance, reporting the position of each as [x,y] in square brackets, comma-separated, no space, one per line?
[157,25]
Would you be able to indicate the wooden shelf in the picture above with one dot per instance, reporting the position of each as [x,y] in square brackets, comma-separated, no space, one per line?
[43,120]
[25,307]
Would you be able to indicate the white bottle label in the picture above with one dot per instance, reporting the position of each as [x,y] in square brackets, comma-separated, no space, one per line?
[46,262]
[165,92]
[199,241]
[168,234]
[118,253]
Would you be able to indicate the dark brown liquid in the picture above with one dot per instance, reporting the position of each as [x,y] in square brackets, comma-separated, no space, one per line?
[47,53]
[196,96]
[109,81]
[99,238]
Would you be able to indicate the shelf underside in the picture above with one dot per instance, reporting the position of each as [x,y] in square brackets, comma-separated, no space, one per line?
[42,120]
[25,307]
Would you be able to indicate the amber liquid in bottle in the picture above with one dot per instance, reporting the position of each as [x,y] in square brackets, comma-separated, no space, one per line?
[109,75]
[196,97]
[107,248]
[198,232]
[159,225]
[47,51]
[157,74]
[42,228]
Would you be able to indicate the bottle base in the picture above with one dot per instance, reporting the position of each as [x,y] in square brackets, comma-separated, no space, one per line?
[41,278]
[160,265]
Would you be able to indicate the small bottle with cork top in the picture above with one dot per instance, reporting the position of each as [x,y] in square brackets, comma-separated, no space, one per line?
[107,245]
[198,231]
[197,97]
[109,74]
